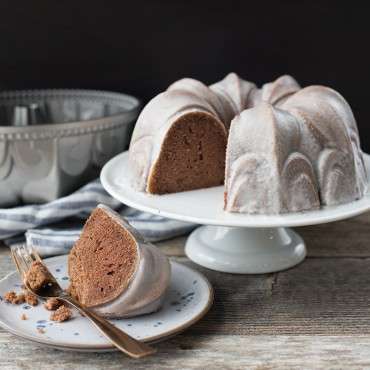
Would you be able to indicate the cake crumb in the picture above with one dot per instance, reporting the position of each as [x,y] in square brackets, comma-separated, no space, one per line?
[63,313]
[41,330]
[24,316]
[19,299]
[14,298]
[53,304]
[31,299]
[10,297]
[38,276]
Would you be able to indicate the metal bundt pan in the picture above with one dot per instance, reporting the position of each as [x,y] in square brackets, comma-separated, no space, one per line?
[53,141]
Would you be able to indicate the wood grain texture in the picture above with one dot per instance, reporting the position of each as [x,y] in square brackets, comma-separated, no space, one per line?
[316,315]
[349,238]
[183,352]
[321,296]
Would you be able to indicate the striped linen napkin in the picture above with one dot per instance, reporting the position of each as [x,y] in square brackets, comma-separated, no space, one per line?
[52,228]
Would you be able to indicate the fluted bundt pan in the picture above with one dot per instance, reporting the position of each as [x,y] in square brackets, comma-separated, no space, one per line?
[53,141]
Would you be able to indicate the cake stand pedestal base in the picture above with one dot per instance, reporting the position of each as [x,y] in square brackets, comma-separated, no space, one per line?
[245,250]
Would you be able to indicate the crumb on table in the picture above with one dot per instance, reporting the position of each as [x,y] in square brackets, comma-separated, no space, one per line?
[53,304]
[24,316]
[63,313]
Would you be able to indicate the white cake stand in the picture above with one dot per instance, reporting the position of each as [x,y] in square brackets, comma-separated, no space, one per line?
[236,243]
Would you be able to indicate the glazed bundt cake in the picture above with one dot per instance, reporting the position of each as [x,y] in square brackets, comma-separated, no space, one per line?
[270,174]
[280,148]
[114,271]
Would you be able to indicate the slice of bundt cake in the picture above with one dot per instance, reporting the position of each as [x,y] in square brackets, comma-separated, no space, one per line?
[113,270]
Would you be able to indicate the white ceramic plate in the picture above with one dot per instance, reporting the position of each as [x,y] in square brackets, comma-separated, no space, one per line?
[188,299]
[205,206]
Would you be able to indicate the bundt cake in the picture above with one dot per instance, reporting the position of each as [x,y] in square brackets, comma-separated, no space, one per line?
[277,149]
[269,175]
[114,271]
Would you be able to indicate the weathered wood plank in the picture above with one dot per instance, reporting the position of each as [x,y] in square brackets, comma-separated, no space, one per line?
[349,238]
[6,263]
[320,296]
[203,352]
[173,247]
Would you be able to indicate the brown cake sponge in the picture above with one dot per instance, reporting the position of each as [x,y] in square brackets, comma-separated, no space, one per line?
[192,156]
[102,262]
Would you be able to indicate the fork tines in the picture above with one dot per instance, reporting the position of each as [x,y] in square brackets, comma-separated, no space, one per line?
[23,257]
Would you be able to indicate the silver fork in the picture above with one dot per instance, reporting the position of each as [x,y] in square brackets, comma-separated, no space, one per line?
[24,256]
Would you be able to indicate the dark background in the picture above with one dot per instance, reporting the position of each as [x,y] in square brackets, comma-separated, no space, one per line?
[140,47]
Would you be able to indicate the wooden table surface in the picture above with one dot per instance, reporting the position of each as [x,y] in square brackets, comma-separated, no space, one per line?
[316,315]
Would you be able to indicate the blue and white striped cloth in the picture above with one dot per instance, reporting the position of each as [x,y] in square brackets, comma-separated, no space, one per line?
[53,227]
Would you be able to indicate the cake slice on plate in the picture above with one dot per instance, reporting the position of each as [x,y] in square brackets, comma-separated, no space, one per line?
[114,271]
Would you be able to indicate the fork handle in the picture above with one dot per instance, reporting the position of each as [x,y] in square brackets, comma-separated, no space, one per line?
[120,339]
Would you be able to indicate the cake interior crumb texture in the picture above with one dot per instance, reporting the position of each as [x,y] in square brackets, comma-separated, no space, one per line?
[63,313]
[31,299]
[103,260]
[10,297]
[193,156]
[37,276]
[19,298]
